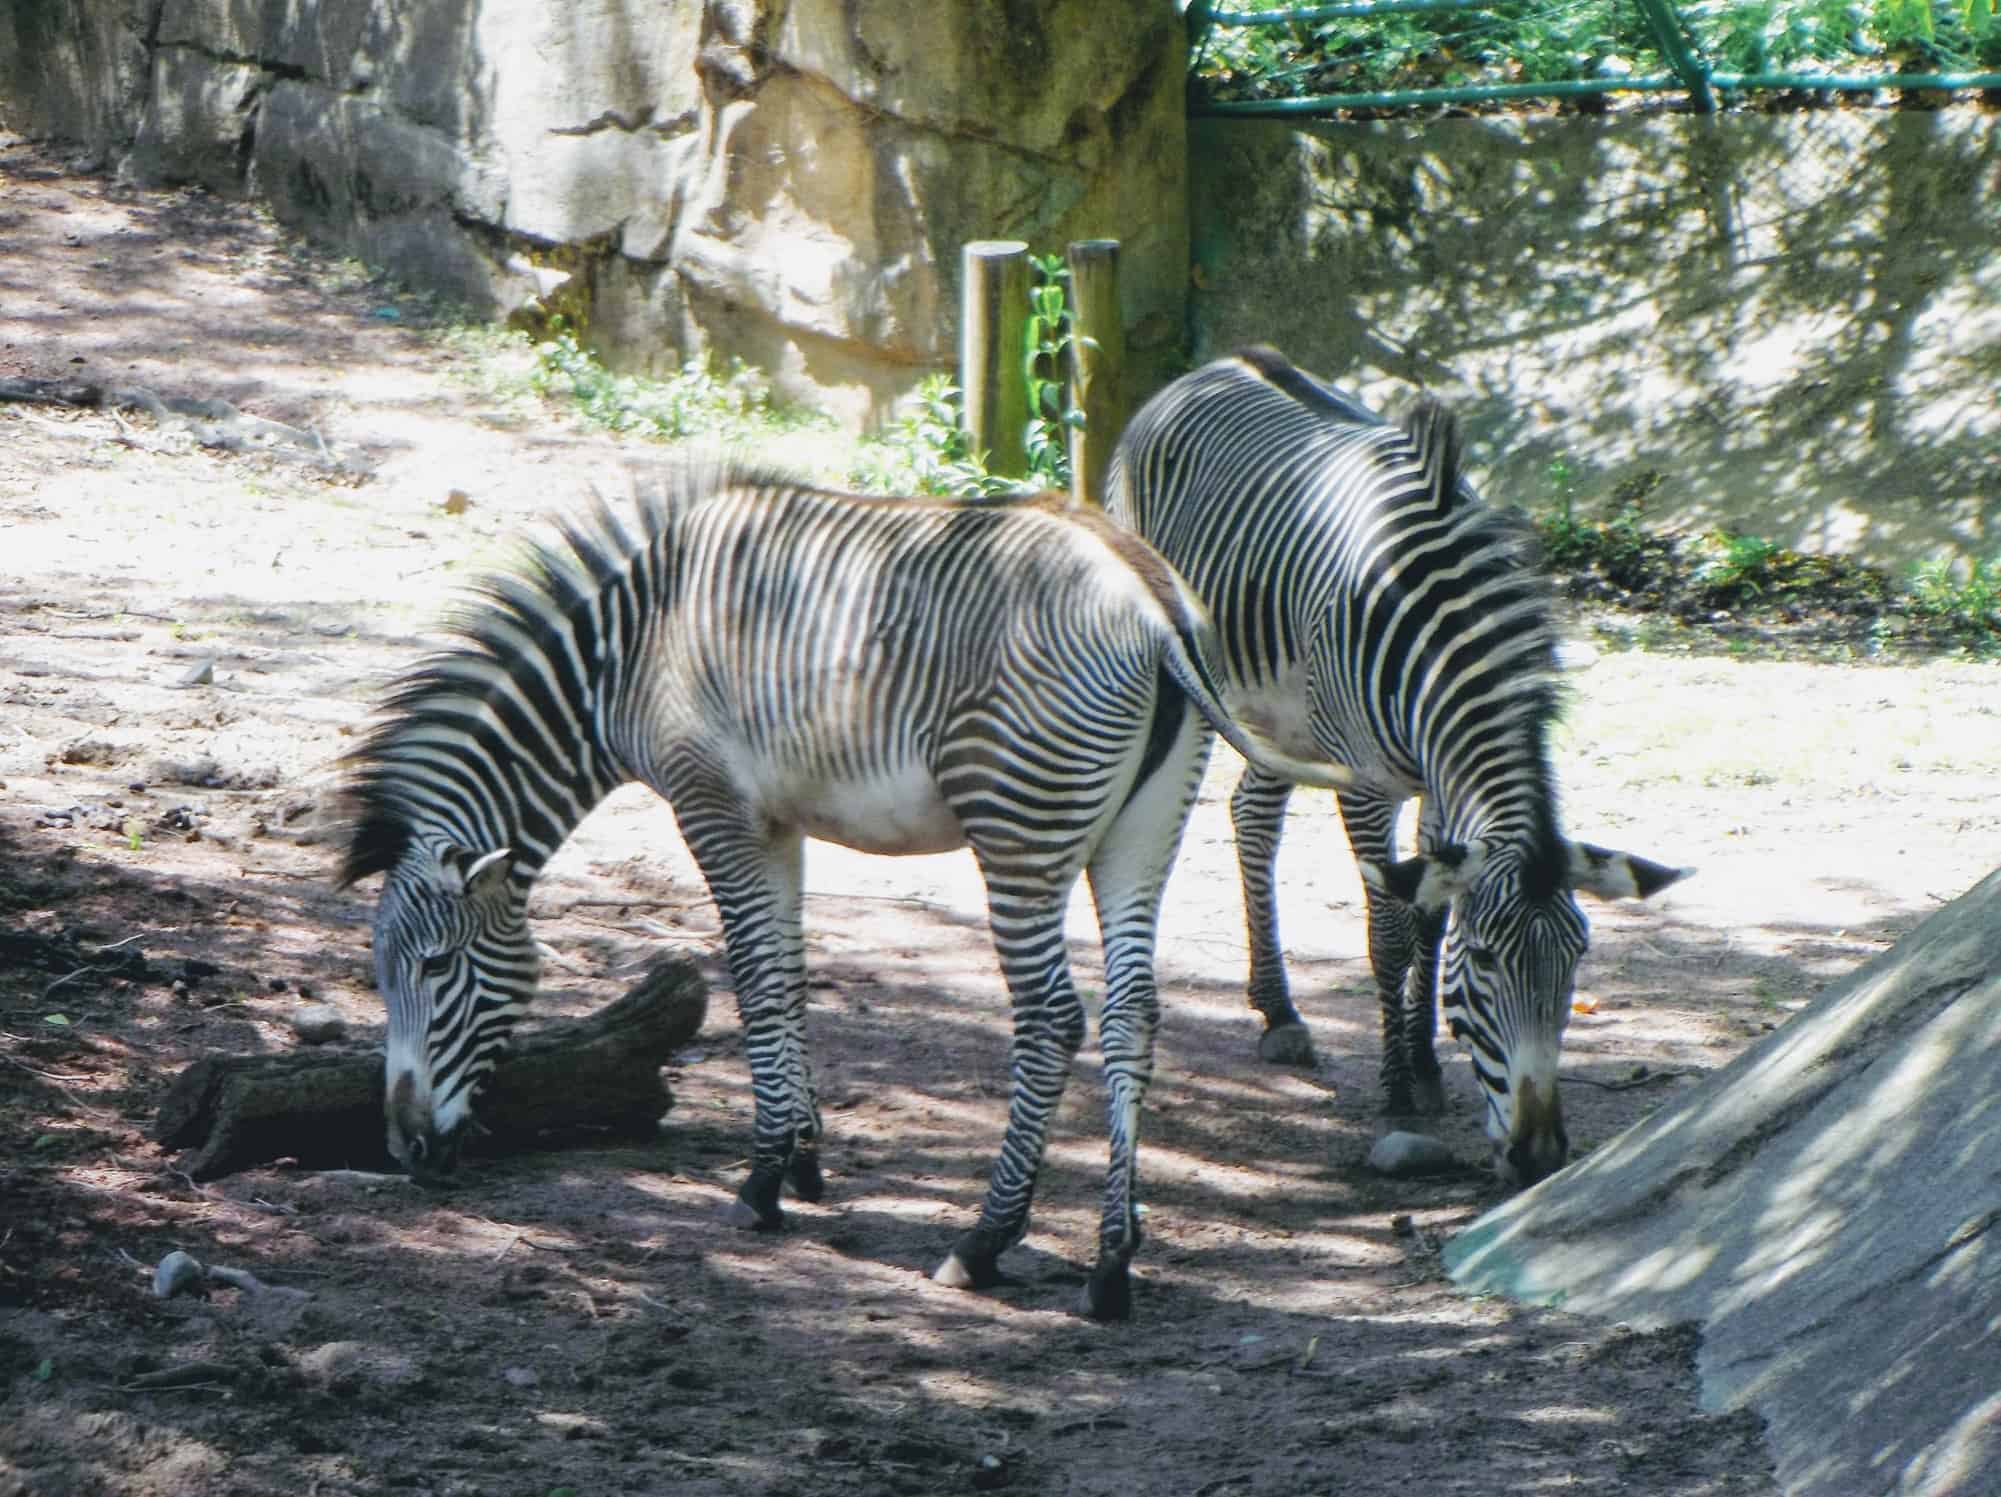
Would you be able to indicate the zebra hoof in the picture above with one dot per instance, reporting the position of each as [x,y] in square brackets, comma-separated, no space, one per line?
[1108,1293]
[954,1273]
[963,1271]
[747,1218]
[804,1174]
[1286,1045]
[1428,1096]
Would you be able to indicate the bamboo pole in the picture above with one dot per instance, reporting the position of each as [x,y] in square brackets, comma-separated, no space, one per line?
[1097,364]
[993,313]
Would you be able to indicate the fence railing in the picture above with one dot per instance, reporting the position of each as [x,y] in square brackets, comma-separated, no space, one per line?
[1417,53]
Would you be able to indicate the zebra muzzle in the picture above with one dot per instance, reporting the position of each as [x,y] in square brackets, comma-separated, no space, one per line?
[1538,1145]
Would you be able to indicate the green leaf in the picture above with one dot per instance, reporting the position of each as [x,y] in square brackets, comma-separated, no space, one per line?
[45,1369]
[60,1020]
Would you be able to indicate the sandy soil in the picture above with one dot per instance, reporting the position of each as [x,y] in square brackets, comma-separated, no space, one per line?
[579,1320]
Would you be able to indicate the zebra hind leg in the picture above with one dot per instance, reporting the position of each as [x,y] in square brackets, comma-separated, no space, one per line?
[1128,871]
[803,1173]
[1257,815]
[1027,920]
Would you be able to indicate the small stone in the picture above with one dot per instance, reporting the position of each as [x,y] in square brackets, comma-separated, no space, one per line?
[1576,655]
[990,1472]
[317,1023]
[1402,1226]
[352,1366]
[177,1273]
[520,1377]
[1406,1154]
[202,673]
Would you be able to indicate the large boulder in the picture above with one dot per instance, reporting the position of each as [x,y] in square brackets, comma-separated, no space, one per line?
[1826,1208]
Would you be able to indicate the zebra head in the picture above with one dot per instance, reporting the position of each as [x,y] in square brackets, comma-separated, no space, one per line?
[456,966]
[1513,938]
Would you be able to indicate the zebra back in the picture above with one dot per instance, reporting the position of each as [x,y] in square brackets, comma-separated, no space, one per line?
[1344,554]
[727,606]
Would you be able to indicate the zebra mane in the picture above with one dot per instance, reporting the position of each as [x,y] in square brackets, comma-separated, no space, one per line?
[519,618]
[1501,557]
[1539,693]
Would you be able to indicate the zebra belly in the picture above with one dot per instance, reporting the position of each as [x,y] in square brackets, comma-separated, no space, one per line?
[897,811]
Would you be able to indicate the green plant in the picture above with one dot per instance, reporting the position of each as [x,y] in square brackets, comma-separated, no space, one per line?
[1049,341]
[1514,41]
[1566,540]
[1618,548]
[925,451]
[696,402]
[1966,606]
[1736,563]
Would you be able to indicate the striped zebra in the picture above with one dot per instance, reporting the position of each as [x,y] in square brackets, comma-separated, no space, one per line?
[778,662]
[1373,611]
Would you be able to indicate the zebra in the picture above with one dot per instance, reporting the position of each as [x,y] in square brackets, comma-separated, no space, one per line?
[1371,609]
[780,662]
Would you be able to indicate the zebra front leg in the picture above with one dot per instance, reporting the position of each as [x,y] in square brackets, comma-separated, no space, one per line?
[1371,824]
[1420,1018]
[756,880]
[1257,815]
[1048,1032]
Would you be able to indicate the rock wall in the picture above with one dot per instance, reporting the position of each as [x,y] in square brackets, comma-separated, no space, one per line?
[1785,325]
[789,181]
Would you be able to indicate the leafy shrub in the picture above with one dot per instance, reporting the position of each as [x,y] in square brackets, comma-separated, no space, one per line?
[696,402]
[925,452]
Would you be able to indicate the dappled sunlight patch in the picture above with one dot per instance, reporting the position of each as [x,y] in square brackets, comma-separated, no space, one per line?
[1566,1414]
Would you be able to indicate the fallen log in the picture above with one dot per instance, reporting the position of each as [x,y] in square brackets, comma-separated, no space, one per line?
[596,1075]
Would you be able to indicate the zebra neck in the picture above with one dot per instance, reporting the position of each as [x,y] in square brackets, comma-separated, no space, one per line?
[1510,801]
[510,754]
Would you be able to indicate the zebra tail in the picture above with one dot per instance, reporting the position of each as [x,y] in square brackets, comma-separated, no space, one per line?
[1187,662]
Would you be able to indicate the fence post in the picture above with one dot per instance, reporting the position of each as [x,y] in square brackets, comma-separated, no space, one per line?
[1672,32]
[993,314]
[1097,364]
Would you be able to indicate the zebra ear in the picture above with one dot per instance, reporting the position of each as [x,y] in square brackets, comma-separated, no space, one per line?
[1434,431]
[1618,875]
[1429,882]
[477,875]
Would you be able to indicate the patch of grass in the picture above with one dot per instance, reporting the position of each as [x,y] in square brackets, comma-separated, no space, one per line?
[733,406]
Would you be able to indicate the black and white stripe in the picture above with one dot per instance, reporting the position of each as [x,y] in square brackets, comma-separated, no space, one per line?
[780,662]
[1373,610]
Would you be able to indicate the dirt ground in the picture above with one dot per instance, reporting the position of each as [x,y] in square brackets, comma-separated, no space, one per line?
[580,1320]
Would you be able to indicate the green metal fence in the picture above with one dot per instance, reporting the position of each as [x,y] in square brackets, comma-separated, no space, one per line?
[1387,55]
